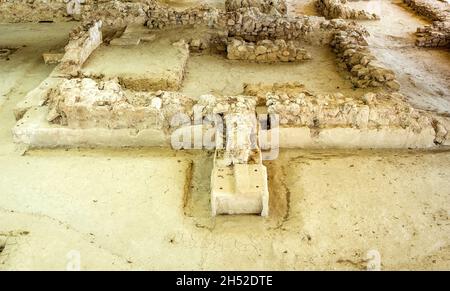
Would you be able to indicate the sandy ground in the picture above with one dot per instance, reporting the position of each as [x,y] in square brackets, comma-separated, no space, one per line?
[221,76]
[148,60]
[214,73]
[124,210]
[149,208]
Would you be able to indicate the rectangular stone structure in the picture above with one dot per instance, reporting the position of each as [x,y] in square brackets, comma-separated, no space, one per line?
[239,189]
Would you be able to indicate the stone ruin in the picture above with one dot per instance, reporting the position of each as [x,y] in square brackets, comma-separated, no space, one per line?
[438,33]
[338,9]
[72,108]
[267,51]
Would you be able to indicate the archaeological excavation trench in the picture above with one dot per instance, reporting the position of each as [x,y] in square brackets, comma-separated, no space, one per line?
[246,82]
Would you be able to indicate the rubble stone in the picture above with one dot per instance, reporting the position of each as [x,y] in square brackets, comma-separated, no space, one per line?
[352,51]
[85,103]
[337,9]
[265,6]
[267,51]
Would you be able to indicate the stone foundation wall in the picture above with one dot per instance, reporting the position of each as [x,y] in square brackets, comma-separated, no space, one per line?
[265,6]
[85,103]
[435,35]
[432,9]
[337,9]
[253,25]
[83,41]
[112,13]
[438,33]
[368,114]
[266,51]
[14,11]
[85,112]
[354,55]
[161,17]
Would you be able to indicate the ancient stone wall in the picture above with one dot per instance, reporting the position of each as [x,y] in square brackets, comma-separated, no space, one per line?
[161,17]
[85,103]
[354,55]
[431,9]
[337,9]
[31,10]
[438,33]
[267,51]
[435,35]
[335,110]
[112,13]
[253,25]
[84,39]
[298,107]
[265,6]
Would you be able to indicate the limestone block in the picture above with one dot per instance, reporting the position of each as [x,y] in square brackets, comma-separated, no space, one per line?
[36,97]
[34,130]
[239,189]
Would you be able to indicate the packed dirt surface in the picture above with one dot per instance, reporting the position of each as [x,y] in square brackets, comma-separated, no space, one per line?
[329,209]
[221,76]
[149,209]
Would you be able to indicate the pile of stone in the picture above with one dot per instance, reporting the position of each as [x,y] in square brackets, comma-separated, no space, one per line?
[85,103]
[431,9]
[354,55]
[265,6]
[267,51]
[435,35]
[337,9]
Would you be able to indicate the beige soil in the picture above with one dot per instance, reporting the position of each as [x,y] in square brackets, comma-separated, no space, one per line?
[149,208]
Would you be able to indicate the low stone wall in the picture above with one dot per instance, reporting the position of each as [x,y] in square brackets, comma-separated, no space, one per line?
[265,6]
[438,33]
[112,13]
[354,55]
[337,9]
[431,9]
[253,25]
[85,103]
[83,41]
[435,35]
[14,11]
[335,110]
[266,51]
[162,17]
[364,120]
[80,112]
